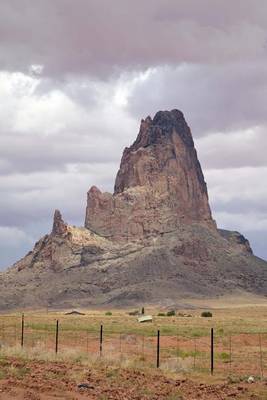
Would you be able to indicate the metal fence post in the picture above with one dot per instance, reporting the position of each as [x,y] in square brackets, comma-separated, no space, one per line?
[120,347]
[211,351]
[101,340]
[87,342]
[143,348]
[57,325]
[230,353]
[177,346]
[195,352]
[158,348]
[22,331]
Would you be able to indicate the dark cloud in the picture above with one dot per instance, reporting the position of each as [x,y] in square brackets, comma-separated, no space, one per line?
[214,98]
[76,77]
[100,37]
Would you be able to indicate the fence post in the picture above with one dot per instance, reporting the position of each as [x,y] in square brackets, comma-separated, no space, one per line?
[195,352]
[158,348]
[211,351]
[121,338]
[57,337]
[101,340]
[87,343]
[177,346]
[3,331]
[230,353]
[22,331]
[143,348]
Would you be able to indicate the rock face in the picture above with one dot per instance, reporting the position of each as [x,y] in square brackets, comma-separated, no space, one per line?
[152,241]
[159,186]
[238,239]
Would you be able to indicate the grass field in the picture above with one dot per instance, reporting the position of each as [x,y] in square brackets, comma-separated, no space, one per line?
[240,345]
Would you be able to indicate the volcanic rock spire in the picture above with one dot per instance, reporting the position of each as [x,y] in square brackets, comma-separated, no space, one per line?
[159,185]
[164,245]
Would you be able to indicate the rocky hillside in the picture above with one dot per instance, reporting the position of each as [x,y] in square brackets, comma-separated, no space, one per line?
[152,241]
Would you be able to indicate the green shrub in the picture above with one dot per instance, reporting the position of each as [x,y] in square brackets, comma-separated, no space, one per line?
[135,312]
[206,314]
[161,314]
[224,356]
[108,313]
[170,313]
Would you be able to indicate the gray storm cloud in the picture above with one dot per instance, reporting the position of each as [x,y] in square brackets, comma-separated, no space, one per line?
[76,77]
[101,36]
[216,98]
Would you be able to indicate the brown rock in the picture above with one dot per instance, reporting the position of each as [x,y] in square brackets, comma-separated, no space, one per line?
[164,246]
[59,226]
[159,185]
[236,239]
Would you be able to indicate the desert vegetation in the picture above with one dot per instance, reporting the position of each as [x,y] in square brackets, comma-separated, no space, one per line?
[129,349]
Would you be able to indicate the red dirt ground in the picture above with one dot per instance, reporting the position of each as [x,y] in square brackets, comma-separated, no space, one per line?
[42,380]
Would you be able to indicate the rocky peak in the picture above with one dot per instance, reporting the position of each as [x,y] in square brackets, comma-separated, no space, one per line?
[161,127]
[152,240]
[59,226]
[164,145]
[159,186]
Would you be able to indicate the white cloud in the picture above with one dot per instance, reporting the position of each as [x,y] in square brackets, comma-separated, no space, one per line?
[49,130]
[235,149]
[13,236]
[126,85]
[237,222]
[238,188]
[36,69]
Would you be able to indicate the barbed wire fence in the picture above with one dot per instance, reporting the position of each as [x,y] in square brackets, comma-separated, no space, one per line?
[221,353]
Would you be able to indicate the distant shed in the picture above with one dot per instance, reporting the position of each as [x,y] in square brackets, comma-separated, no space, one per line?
[74,312]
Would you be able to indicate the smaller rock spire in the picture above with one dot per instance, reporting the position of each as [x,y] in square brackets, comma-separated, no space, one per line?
[59,226]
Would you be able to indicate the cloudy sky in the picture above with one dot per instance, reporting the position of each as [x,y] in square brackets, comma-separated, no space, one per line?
[76,77]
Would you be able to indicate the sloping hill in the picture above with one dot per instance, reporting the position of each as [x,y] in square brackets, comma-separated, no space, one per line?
[152,241]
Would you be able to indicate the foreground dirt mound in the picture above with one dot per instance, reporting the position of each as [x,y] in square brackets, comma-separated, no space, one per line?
[153,240]
[37,380]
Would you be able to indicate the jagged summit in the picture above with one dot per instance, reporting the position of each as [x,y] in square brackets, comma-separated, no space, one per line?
[165,138]
[152,241]
[159,186]
[163,124]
